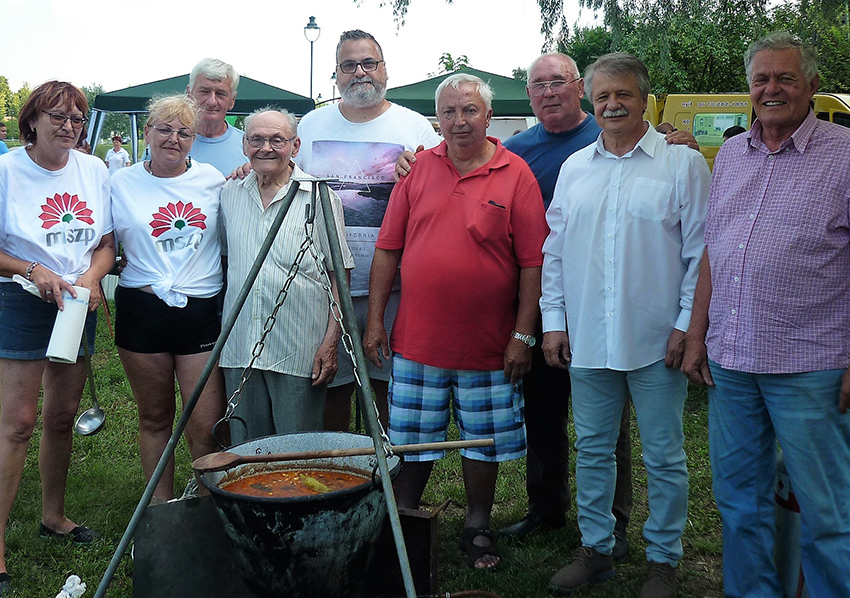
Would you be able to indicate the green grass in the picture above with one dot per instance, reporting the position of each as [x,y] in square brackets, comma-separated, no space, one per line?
[106,482]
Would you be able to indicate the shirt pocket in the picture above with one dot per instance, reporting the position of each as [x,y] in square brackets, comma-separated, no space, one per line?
[489,222]
[651,200]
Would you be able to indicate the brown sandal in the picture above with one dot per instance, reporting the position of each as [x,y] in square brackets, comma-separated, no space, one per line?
[473,551]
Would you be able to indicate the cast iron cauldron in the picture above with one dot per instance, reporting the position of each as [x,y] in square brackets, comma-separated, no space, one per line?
[303,547]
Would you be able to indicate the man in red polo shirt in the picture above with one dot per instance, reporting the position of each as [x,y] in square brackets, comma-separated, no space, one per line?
[467,226]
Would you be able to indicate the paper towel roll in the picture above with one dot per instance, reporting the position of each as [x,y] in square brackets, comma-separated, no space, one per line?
[68,329]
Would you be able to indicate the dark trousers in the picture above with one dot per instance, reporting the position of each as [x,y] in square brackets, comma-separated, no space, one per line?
[547,393]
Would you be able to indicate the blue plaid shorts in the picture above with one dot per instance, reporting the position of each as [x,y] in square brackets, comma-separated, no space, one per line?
[485,405]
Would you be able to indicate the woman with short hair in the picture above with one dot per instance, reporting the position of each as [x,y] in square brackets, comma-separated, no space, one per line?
[55,231]
[167,315]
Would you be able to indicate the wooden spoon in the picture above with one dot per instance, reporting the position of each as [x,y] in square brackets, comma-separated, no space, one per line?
[225,460]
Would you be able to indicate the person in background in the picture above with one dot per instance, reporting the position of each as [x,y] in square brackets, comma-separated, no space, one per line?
[732,131]
[55,231]
[358,141]
[212,84]
[285,392]
[166,303]
[3,147]
[770,333]
[117,157]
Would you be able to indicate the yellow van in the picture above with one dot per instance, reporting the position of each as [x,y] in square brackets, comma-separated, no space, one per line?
[706,116]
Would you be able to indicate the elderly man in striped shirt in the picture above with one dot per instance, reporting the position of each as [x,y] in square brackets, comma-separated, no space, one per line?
[773,307]
[286,390]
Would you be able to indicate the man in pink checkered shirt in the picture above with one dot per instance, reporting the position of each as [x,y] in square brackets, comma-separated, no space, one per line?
[770,330]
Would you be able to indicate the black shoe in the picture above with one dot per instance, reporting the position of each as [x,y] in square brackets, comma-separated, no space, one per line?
[621,546]
[5,584]
[78,535]
[530,523]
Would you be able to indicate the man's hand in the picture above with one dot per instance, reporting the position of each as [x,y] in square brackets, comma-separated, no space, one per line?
[325,364]
[844,397]
[682,138]
[695,362]
[405,163]
[556,349]
[376,344]
[241,172]
[517,360]
[675,349]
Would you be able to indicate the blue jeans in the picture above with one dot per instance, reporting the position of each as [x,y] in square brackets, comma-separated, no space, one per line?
[658,395]
[747,414]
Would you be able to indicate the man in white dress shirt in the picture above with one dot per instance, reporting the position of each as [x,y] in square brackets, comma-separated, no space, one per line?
[620,268]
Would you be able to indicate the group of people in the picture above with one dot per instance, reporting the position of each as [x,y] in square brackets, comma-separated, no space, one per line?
[590,256]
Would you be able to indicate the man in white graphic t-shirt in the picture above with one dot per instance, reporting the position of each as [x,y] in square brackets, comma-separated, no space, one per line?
[358,141]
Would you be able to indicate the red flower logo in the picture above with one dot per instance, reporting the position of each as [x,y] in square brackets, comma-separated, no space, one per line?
[178,216]
[64,208]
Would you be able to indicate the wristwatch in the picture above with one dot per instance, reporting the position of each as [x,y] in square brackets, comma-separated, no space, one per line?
[528,339]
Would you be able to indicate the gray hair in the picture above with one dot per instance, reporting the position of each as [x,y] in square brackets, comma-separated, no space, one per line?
[483,89]
[783,40]
[618,63]
[290,118]
[355,34]
[215,70]
[571,64]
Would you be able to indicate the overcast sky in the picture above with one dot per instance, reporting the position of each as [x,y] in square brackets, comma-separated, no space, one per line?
[118,43]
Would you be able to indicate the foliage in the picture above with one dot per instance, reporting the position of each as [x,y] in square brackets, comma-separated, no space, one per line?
[114,123]
[449,64]
[826,27]
[520,73]
[586,44]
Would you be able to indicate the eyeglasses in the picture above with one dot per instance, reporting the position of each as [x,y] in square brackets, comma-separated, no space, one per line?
[58,119]
[277,143]
[167,131]
[350,66]
[558,86]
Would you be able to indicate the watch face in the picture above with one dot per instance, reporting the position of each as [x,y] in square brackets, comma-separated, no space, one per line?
[532,340]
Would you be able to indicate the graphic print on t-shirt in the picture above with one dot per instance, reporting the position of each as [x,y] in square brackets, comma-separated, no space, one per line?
[176,217]
[63,209]
[365,173]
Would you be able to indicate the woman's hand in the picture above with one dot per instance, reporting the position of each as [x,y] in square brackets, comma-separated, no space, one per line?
[50,286]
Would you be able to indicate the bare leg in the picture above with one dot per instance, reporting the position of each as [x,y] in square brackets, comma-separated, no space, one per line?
[151,376]
[338,405]
[338,408]
[63,388]
[479,478]
[19,385]
[209,408]
[410,483]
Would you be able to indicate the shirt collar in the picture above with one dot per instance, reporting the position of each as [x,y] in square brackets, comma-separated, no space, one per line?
[647,144]
[250,181]
[799,140]
[500,158]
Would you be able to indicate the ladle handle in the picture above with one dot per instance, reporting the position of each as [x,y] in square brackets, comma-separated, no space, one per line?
[89,370]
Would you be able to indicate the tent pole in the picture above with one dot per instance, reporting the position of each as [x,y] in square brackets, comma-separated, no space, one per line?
[134,136]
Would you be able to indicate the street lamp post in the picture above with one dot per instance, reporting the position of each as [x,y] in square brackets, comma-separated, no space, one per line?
[312,32]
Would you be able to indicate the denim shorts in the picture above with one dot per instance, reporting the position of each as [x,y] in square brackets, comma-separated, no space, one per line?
[26,323]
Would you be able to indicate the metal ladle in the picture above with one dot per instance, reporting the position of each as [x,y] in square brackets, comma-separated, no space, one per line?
[90,421]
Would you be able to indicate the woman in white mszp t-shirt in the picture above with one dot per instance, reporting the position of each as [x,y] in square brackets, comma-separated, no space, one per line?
[167,312]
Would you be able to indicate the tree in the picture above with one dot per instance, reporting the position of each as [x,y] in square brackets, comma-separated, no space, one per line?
[17,99]
[114,123]
[520,73]
[449,64]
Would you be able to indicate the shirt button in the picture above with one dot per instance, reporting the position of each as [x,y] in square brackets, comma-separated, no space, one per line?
[741,246]
[610,316]
[608,261]
[734,311]
[736,279]
[610,235]
[752,216]
[608,288]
